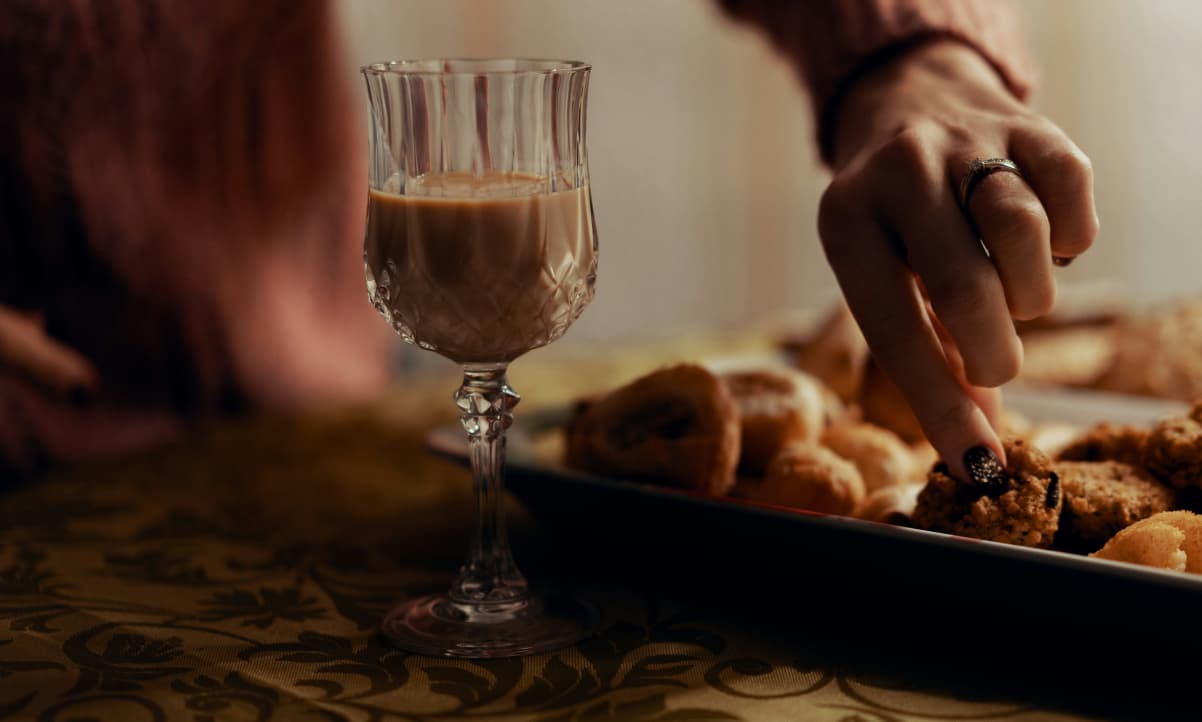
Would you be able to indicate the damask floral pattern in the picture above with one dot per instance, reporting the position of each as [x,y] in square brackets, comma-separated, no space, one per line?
[125,597]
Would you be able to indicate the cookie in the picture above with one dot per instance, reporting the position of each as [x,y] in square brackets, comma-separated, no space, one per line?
[1024,510]
[881,457]
[1107,442]
[1102,498]
[1169,540]
[807,476]
[890,504]
[1173,450]
[677,426]
[775,407]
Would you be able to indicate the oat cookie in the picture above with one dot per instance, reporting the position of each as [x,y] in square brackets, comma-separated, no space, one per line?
[1173,450]
[1102,498]
[1107,442]
[1024,510]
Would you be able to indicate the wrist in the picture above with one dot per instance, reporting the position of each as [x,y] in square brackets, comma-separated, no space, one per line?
[921,81]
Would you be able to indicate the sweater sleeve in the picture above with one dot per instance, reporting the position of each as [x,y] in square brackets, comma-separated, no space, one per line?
[834,42]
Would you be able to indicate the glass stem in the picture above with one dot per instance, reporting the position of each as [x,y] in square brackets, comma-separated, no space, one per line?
[490,576]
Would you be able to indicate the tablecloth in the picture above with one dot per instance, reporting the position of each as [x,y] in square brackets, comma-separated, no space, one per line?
[240,574]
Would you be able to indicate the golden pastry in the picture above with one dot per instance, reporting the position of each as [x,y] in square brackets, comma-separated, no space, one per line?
[776,406]
[881,457]
[678,426]
[807,476]
[1169,540]
[882,403]
[890,504]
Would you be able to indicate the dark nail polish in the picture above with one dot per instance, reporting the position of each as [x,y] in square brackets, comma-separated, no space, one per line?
[984,469]
[1063,261]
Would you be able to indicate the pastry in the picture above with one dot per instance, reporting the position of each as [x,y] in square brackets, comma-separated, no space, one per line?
[807,476]
[1024,509]
[882,403]
[835,354]
[1173,450]
[882,459]
[924,457]
[1169,540]
[775,407]
[890,504]
[1103,497]
[1053,438]
[1107,442]
[1159,354]
[678,426]
[1068,357]
[1149,543]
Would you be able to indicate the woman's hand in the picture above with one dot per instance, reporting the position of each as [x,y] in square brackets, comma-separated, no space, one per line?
[28,354]
[936,309]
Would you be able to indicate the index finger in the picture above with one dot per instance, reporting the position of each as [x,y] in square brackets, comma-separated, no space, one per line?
[884,297]
[26,351]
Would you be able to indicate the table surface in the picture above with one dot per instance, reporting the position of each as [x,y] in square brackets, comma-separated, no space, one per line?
[240,574]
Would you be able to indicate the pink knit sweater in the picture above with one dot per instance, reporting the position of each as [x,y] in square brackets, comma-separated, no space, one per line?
[834,41]
[181,196]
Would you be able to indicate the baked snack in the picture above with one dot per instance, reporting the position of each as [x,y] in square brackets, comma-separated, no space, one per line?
[807,476]
[1102,498]
[1149,543]
[835,353]
[924,457]
[1173,450]
[1024,510]
[1053,438]
[678,426]
[1159,353]
[882,459]
[1107,442]
[1169,540]
[890,504]
[882,403]
[1068,356]
[775,406]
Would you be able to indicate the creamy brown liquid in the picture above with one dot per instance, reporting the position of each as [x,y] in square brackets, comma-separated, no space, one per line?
[480,269]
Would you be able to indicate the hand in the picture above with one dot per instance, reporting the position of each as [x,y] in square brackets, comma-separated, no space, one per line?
[936,309]
[33,357]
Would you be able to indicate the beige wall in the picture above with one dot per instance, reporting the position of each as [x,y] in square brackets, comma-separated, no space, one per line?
[704,178]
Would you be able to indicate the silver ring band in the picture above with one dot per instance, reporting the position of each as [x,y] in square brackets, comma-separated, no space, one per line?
[980,169]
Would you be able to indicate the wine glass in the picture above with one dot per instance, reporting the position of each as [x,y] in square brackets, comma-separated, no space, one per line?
[481,246]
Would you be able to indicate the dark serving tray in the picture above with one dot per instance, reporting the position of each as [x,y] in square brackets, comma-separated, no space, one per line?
[785,552]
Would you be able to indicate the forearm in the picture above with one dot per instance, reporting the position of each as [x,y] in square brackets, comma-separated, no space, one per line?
[834,43]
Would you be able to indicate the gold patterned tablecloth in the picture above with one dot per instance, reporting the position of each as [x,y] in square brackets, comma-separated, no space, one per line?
[240,575]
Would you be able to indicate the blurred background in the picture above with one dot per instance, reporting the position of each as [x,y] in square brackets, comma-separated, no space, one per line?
[705,178]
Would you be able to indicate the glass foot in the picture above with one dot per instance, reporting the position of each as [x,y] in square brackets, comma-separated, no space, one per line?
[439,627]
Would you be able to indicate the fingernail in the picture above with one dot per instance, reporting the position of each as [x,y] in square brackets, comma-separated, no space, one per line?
[1063,261]
[984,469]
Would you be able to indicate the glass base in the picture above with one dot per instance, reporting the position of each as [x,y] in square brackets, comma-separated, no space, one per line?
[440,627]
